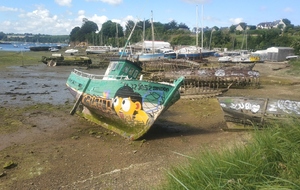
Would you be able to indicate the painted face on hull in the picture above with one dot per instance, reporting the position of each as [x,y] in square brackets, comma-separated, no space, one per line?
[128,105]
[125,107]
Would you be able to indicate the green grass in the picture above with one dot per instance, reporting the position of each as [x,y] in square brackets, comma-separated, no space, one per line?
[270,160]
[295,67]
[8,58]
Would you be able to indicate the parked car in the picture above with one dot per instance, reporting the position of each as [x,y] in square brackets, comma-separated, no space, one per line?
[292,57]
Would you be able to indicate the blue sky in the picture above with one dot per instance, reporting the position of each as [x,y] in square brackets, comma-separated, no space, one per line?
[57,17]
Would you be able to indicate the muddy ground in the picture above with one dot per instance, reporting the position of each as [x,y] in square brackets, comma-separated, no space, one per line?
[43,147]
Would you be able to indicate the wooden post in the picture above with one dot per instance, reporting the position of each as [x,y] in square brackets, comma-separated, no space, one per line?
[80,97]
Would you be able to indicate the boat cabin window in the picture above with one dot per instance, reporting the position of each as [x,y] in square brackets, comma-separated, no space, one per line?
[130,71]
[114,65]
[119,66]
[136,72]
[126,70]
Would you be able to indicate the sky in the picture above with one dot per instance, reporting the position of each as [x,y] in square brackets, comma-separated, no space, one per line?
[59,17]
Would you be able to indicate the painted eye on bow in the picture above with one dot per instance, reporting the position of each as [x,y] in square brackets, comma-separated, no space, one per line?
[126,104]
[116,101]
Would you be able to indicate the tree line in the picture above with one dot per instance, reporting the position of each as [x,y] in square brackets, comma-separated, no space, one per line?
[177,34]
[41,38]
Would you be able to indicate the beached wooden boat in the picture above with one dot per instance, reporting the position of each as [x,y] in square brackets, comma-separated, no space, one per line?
[242,112]
[58,60]
[120,100]
[39,48]
[205,81]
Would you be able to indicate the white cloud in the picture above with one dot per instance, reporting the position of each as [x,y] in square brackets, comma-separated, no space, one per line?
[126,19]
[6,24]
[81,12]
[40,21]
[3,8]
[67,3]
[236,20]
[99,20]
[111,2]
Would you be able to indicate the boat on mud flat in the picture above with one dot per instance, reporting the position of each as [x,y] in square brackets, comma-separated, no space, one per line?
[39,48]
[97,49]
[194,53]
[247,113]
[120,100]
[209,81]
[58,59]
[71,51]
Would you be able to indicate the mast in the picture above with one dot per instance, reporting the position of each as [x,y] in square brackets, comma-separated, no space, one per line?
[117,34]
[202,30]
[197,26]
[152,31]
[128,40]
[143,48]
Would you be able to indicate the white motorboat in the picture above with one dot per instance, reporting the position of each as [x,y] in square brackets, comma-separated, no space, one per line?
[71,51]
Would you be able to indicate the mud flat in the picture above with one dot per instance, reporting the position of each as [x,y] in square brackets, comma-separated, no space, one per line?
[45,147]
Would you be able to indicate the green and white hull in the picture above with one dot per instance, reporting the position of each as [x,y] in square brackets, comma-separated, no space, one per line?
[119,101]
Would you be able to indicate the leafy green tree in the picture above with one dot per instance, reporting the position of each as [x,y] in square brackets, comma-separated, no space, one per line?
[2,35]
[220,38]
[215,28]
[183,40]
[183,26]
[159,30]
[179,34]
[171,25]
[88,27]
[232,28]
[288,25]
[252,27]
[287,22]
[84,32]
[129,26]
[296,45]
[110,33]
[74,33]
[109,29]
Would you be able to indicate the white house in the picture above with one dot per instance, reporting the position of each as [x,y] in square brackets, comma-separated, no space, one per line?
[269,25]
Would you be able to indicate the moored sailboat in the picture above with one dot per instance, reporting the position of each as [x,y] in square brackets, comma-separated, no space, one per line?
[149,56]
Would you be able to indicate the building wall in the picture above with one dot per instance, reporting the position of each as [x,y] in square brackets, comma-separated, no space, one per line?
[277,54]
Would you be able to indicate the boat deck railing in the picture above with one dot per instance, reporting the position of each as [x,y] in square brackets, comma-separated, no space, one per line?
[95,76]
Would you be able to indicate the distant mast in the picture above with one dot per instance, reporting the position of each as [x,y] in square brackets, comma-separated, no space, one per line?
[152,27]
[197,26]
[202,30]
[143,37]
[117,34]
